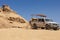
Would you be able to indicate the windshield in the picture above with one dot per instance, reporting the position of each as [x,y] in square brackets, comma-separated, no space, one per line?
[48,20]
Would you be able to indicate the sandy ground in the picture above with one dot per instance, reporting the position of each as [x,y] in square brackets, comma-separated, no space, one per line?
[23,34]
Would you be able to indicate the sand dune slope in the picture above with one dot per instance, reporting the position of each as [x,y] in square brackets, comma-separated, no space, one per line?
[23,34]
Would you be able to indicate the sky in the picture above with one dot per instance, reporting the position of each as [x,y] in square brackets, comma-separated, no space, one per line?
[25,8]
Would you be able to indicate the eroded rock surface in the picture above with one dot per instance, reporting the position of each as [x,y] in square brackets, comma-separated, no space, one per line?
[10,19]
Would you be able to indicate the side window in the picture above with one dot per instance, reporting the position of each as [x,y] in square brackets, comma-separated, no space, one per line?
[34,20]
[40,20]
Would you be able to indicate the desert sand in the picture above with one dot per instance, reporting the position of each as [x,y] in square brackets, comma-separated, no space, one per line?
[23,34]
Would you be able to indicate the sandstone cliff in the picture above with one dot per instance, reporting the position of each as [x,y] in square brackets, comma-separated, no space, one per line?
[10,19]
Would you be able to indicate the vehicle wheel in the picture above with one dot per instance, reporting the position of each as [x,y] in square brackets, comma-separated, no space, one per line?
[47,27]
[56,28]
[34,26]
[42,27]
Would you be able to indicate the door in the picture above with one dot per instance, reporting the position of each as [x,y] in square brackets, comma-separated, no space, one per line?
[41,22]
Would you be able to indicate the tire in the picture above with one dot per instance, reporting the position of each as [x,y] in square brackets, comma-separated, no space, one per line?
[42,27]
[47,27]
[34,26]
[56,28]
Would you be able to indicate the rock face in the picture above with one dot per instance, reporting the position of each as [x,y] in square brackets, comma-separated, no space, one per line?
[10,19]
